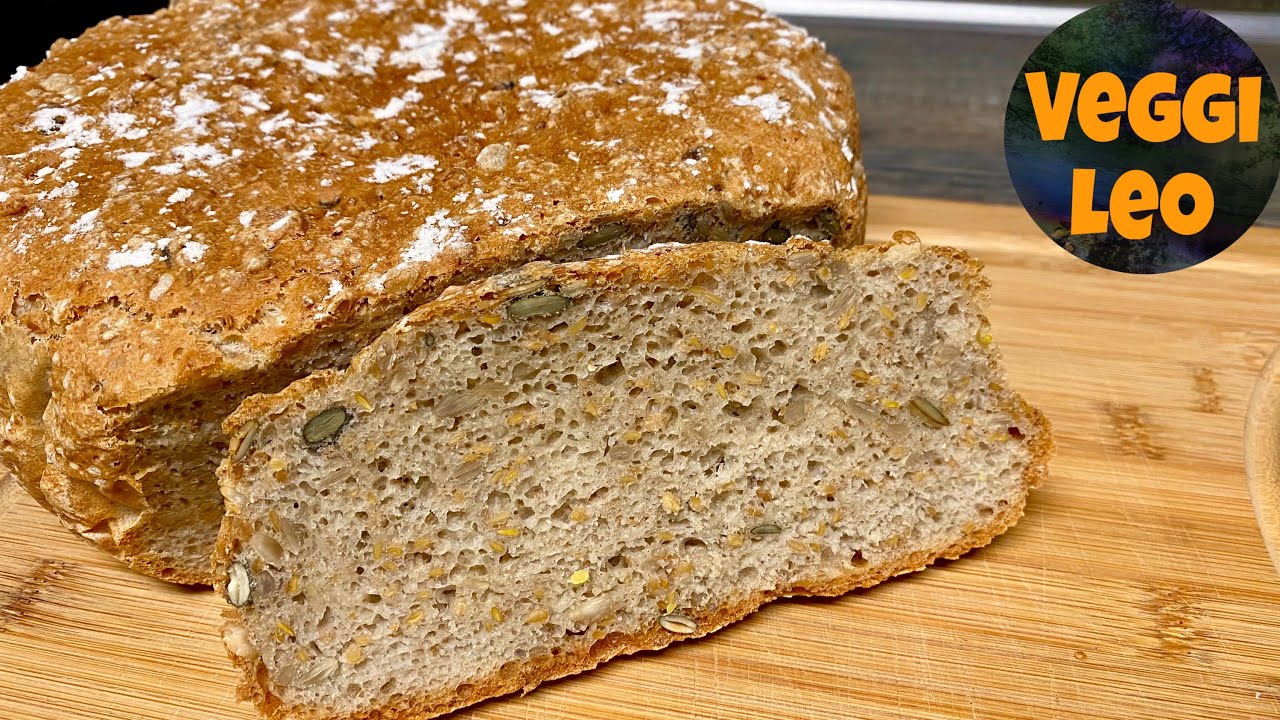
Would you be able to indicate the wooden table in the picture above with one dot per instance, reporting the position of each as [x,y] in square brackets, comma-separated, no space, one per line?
[1136,587]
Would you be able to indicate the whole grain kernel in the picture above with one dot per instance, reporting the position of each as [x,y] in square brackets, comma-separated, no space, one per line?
[285,629]
[908,273]
[888,313]
[509,532]
[537,306]
[498,547]
[363,402]
[728,352]
[325,426]
[821,352]
[890,404]
[797,546]
[537,617]
[496,613]
[577,514]
[678,624]
[922,301]
[580,577]
[670,502]
[734,540]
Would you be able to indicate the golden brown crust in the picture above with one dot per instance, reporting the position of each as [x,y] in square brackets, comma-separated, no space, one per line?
[670,264]
[1262,454]
[223,196]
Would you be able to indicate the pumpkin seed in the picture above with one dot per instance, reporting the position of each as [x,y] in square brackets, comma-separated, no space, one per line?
[537,306]
[603,235]
[766,529]
[678,624]
[238,585]
[325,426]
[928,413]
[242,443]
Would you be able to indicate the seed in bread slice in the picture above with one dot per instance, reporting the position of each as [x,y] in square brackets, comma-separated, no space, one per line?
[536,473]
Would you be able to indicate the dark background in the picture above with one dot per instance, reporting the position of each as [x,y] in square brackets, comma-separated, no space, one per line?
[932,97]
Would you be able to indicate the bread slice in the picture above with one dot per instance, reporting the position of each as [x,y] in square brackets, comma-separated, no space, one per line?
[539,472]
[217,199]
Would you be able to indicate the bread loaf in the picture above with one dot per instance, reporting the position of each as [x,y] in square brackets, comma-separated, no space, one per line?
[218,199]
[536,473]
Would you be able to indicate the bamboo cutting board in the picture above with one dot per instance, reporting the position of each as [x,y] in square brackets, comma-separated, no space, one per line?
[1136,587]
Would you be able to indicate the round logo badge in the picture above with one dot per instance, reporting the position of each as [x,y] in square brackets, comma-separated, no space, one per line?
[1143,136]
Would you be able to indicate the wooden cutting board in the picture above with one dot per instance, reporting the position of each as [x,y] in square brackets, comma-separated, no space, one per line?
[1136,587]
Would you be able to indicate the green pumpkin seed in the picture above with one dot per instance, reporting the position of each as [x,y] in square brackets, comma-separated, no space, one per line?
[537,306]
[325,426]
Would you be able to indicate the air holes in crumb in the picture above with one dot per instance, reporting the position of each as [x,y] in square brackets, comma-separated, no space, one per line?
[986,510]
[608,374]
[859,560]
[743,327]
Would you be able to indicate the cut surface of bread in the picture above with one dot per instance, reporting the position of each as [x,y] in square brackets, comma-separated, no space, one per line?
[217,199]
[536,473]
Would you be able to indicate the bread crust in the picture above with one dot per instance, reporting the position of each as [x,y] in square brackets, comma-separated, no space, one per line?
[222,197]
[660,264]
[1262,454]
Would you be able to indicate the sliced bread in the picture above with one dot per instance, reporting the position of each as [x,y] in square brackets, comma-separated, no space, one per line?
[217,199]
[536,473]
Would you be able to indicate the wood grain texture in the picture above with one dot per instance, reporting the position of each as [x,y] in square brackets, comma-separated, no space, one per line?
[1136,588]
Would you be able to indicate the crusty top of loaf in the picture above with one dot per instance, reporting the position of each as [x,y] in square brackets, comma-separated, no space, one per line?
[201,187]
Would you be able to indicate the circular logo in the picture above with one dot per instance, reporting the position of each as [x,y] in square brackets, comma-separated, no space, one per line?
[1143,136]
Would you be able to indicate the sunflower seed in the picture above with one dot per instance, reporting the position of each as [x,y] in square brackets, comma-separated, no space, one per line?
[242,443]
[537,306]
[325,426]
[591,610]
[928,413]
[678,624]
[238,585]
[603,235]
[321,671]
[267,547]
[766,529]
